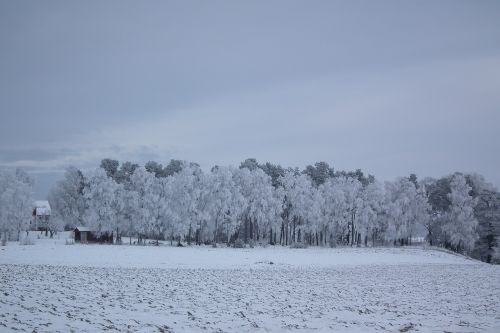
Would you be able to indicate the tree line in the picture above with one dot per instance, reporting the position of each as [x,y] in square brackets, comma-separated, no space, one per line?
[269,204]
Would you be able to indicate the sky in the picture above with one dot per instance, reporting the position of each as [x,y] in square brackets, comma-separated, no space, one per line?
[391,87]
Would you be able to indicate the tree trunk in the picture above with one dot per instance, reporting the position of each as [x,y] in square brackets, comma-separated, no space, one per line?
[281,233]
[251,229]
[215,231]
[286,234]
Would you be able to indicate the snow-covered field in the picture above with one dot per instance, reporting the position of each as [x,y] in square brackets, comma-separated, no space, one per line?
[51,287]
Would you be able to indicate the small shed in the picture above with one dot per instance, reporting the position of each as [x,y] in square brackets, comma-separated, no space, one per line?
[87,235]
[84,235]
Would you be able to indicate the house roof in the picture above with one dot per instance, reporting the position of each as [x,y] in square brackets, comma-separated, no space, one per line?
[42,207]
[83,229]
[42,203]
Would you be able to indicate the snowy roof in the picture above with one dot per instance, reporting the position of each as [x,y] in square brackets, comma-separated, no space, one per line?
[42,207]
[83,229]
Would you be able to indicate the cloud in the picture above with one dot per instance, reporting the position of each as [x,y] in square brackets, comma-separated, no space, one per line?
[82,156]
[369,86]
[431,119]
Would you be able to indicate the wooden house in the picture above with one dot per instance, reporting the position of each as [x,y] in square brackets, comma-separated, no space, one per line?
[87,235]
[40,216]
[84,235]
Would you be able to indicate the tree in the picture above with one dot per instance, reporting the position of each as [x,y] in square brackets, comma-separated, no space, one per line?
[250,163]
[16,202]
[319,173]
[261,203]
[141,182]
[272,170]
[126,210]
[156,202]
[173,167]
[155,168]
[406,208]
[487,212]
[358,175]
[110,166]
[460,228]
[100,194]
[67,200]
[226,201]
[189,201]
[413,179]
[123,175]
[334,219]
[275,171]
[371,221]
[353,204]
[298,200]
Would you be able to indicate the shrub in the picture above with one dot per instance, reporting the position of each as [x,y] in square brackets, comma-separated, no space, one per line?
[27,241]
[496,256]
[298,245]
[239,244]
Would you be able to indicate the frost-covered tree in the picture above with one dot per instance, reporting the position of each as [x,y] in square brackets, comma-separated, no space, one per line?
[262,204]
[333,212]
[371,215]
[250,164]
[226,201]
[155,168]
[66,199]
[297,204]
[110,166]
[100,194]
[190,203]
[122,176]
[173,167]
[351,205]
[126,210]
[141,183]
[15,203]
[406,208]
[159,210]
[487,212]
[319,173]
[460,227]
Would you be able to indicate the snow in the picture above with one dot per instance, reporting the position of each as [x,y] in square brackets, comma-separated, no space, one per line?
[42,207]
[94,255]
[83,229]
[50,286]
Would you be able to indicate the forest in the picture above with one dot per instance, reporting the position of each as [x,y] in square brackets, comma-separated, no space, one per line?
[264,204]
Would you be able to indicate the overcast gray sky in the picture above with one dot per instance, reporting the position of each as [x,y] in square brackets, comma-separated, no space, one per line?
[392,87]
